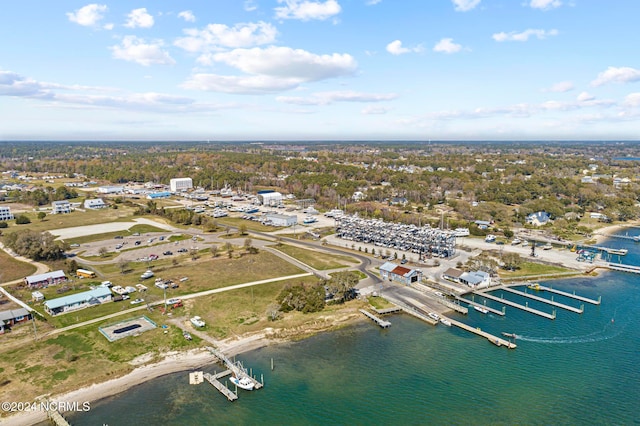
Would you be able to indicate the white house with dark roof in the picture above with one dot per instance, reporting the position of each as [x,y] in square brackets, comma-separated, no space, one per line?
[392,272]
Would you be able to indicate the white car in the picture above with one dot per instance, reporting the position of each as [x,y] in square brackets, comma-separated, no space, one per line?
[173,301]
[197,321]
[136,301]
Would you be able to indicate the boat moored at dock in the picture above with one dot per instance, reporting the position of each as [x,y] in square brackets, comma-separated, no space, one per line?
[243,382]
[481,309]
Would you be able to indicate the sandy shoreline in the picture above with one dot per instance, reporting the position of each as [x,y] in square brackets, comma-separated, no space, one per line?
[172,363]
[183,361]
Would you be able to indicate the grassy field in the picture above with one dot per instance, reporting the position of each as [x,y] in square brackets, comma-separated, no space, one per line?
[532,268]
[316,259]
[12,269]
[139,228]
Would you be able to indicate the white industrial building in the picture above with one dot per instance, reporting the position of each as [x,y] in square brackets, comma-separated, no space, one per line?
[270,198]
[5,213]
[276,219]
[180,184]
[110,189]
[95,203]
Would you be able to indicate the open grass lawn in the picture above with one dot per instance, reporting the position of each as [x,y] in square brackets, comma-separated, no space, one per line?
[316,259]
[75,218]
[532,268]
[12,269]
[250,224]
[379,302]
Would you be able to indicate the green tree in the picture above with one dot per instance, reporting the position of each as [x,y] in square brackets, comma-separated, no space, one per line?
[41,215]
[22,220]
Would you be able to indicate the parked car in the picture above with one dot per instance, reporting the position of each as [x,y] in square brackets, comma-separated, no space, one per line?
[136,301]
[153,256]
[167,253]
[118,237]
[182,250]
[197,322]
[173,300]
[146,274]
[119,246]
[138,242]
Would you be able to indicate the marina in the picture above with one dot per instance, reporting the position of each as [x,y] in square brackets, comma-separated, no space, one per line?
[498,341]
[571,295]
[516,305]
[544,300]
[472,303]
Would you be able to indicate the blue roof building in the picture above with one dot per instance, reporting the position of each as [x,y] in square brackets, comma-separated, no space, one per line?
[77,301]
[161,194]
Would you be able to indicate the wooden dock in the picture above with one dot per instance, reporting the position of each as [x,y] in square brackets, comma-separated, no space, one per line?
[622,267]
[386,311]
[517,305]
[234,367]
[572,295]
[498,341]
[231,396]
[382,323]
[543,300]
[454,306]
[472,303]
[56,418]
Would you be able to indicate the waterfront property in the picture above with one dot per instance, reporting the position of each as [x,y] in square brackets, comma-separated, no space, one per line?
[452,274]
[74,302]
[392,272]
[475,279]
[126,328]
[12,317]
[46,279]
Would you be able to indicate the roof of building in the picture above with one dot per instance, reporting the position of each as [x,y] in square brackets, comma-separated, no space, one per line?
[77,298]
[45,277]
[388,266]
[474,277]
[453,272]
[13,313]
[60,202]
[401,270]
[279,216]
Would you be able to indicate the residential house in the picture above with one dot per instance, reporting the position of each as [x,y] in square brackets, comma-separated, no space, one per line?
[95,203]
[452,274]
[73,302]
[60,207]
[392,272]
[538,218]
[46,279]
[12,317]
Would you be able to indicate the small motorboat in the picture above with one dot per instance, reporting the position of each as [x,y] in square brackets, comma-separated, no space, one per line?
[510,335]
[434,316]
[243,383]
[445,322]
[481,309]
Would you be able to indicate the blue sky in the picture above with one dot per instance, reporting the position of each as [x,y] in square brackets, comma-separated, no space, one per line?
[320,69]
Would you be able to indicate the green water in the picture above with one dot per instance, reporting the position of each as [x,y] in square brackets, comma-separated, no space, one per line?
[580,369]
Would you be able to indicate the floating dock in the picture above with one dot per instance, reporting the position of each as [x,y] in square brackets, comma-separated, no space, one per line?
[234,367]
[472,303]
[543,300]
[571,295]
[498,341]
[386,311]
[517,305]
[382,323]
[623,268]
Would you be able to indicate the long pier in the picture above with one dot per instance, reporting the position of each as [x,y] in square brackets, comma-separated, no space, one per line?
[382,323]
[517,305]
[472,303]
[231,396]
[236,368]
[635,238]
[623,268]
[571,295]
[498,341]
[544,300]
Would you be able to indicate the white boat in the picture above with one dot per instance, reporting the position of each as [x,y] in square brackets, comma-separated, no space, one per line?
[490,238]
[620,252]
[243,383]
[197,321]
[309,219]
[480,309]
[445,322]
[434,316]
[516,241]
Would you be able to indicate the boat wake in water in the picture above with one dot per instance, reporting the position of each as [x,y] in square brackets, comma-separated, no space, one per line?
[608,332]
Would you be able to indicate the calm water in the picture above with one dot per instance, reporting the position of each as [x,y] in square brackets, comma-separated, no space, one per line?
[577,369]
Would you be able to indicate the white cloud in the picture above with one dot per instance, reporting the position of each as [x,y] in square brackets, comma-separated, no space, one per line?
[134,49]
[139,18]
[215,36]
[584,97]
[327,98]
[617,75]
[446,45]
[372,2]
[465,5]
[187,15]
[396,48]
[561,87]
[88,15]
[250,5]
[372,110]
[524,35]
[632,99]
[305,10]
[272,69]
[545,4]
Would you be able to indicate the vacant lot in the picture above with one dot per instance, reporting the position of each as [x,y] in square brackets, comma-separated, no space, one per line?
[316,259]
[12,269]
